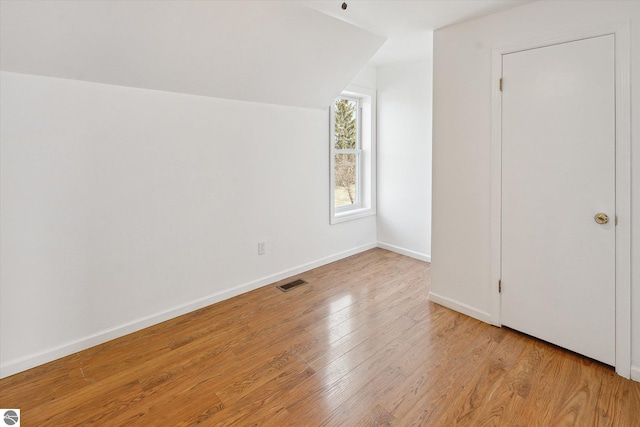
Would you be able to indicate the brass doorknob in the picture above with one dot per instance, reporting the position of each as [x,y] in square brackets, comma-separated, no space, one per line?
[601,218]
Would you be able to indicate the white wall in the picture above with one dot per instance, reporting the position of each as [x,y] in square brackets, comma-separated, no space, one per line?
[404,158]
[366,78]
[123,207]
[462,143]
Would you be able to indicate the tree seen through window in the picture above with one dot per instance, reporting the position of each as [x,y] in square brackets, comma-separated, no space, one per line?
[346,152]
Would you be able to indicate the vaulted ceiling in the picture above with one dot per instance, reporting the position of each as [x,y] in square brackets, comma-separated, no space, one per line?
[408,25]
[300,53]
[273,52]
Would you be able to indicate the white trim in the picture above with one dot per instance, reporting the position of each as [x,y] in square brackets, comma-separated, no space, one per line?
[635,373]
[496,187]
[351,214]
[623,200]
[406,252]
[18,365]
[460,307]
[623,174]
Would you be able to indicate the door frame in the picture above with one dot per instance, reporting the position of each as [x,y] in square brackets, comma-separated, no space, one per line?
[621,33]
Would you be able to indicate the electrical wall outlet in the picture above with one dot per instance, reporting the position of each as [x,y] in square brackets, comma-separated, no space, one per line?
[262,248]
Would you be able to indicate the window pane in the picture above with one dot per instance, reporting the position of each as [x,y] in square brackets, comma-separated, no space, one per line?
[345,179]
[346,124]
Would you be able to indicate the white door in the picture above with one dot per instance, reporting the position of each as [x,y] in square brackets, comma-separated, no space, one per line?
[558,173]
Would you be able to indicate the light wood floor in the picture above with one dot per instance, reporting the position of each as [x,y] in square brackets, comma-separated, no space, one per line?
[359,345]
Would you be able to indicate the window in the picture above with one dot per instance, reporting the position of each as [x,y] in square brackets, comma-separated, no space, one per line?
[347,153]
[352,155]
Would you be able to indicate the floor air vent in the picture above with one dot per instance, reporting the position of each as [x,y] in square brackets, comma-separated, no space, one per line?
[291,285]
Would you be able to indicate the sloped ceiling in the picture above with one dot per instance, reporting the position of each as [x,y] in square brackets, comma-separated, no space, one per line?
[408,24]
[274,52]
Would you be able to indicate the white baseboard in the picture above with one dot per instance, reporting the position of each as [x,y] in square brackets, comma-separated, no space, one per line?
[403,251]
[461,307]
[635,373]
[18,365]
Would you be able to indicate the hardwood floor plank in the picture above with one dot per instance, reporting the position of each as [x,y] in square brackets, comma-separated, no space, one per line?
[631,396]
[445,386]
[542,397]
[581,392]
[364,407]
[483,384]
[263,405]
[54,380]
[607,410]
[359,345]
[454,336]
[338,381]
[510,391]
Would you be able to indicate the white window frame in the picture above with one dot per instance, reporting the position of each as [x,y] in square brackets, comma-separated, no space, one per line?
[365,204]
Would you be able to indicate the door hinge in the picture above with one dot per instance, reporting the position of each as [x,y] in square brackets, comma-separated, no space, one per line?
[500,84]
[500,286]
[616,220]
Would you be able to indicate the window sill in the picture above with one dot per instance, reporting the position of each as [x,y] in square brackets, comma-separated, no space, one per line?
[344,216]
